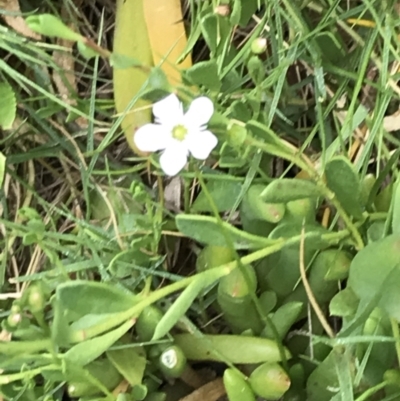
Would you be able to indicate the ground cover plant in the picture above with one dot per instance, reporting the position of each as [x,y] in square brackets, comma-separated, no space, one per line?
[199,200]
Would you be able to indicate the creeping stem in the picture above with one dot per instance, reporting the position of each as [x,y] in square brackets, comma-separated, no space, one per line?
[303,163]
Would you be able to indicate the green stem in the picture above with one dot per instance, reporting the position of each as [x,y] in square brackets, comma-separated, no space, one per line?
[364,396]
[186,195]
[294,158]
[220,271]
[342,213]
[27,374]
[310,170]
[29,347]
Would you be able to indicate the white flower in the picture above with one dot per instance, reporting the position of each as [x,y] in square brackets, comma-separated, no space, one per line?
[177,133]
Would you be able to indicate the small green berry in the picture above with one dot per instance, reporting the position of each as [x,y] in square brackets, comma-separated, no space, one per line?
[259,46]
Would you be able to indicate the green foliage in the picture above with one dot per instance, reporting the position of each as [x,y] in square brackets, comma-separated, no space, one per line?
[277,256]
[237,388]
[8,106]
[343,181]
[50,25]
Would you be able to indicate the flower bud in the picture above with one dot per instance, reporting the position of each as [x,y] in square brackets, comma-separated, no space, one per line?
[14,319]
[223,10]
[269,381]
[147,322]
[36,299]
[259,46]
[213,256]
[173,362]
[236,133]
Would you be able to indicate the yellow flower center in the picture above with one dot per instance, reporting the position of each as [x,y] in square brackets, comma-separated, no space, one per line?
[179,132]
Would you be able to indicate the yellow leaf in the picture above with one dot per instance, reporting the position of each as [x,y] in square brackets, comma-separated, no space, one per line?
[152,32]
[131,40]
[167,36]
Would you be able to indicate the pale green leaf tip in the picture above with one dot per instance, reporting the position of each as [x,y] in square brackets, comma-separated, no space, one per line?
[51,26]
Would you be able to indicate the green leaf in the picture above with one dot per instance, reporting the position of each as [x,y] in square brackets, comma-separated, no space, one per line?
[93,308]
[90,320]
[2,168]
[24,347]
[262,131]
[8,106]
[376,231]
[344,303]
[256,70]
[205,73]
[209,29]
[158,85]
[396,209]
[375,271]
[130,362]
[290,189]
[50,25]
[312,233]
[207,230]
[121,61]
[230,157]
[59,327]
[87,52]
[237,349]
[283,319]
[223,193]
[237,388]
[255,208]
[178,309]
[236,134]
[247,8]
[323,382]
[343,181]
[394,158]
[185,300]
[236,12]
[80,298]
[87,351]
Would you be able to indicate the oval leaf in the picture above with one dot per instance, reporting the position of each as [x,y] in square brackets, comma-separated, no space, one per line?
[396,210]
[234,348]
[50,25]
[130,362]
[223,193]
[87,351]
[290,189]
[178,309]
[205,73]
[342,180]
[375,271]
[80,298]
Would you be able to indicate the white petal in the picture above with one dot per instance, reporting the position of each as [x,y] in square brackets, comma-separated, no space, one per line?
[168,111]
[152,137]
[174,158]
[199,113]
[201,143]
